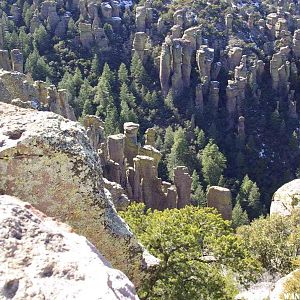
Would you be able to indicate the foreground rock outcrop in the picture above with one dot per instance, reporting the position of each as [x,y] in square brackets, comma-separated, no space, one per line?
[40,259]
[48,161]
[286,198]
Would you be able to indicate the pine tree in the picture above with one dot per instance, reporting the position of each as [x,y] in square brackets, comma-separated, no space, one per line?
[138,71]
[168,139]
[25,42]
[213,163]
[123,74]
[239,216]
[111,125]
[95,66]
[37,66]
[104,94]
[249,197]
[200,140]
[179,155]
[71,32]
[127,96]
[41,39]
[127,114]
[85,98]
[198,196]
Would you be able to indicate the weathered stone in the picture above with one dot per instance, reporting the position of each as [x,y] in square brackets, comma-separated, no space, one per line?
[140,19]
[61,27]
[214,95]
[48,12]
[231,95]
[86,35]
[187,50]
[220,198]
[150,136]
[48,161]
[180,17]
[1,35]
[139,43]
[241,126]
[286,198]
[38,255]
[106,10]
[101,39]
[115,8]
[4,60]
[150,151]
[116,146]
[234,57]
[204,58]
[194,36]
[296,43]
[116,194]
[176,78]
[95,131]
[228,22]
[176,31]
[15,85]
[131,146]
[183,182]
[165,69]
[199,98]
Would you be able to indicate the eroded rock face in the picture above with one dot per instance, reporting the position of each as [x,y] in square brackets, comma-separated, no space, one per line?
[220,198]
[39,258]
[16,85]
[49,162]
[286,198]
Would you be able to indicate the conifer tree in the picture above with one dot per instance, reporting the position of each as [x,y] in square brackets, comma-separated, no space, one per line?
[168,139]
[213,163]
[123,74]
[111,124]
[179,155]
[104,95]
[127,96]
[85,98]
[41,39]
[198,195]
[249,197]
[239,216]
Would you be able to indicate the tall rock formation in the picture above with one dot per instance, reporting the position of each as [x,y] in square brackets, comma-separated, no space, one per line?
[220,198]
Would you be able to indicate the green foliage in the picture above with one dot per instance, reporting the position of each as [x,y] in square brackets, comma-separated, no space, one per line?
[198,196]
[168,139]
[291,287]
[123,74]
[179,155]
[274,240]
[111,125]
[85,98]
[194,245]
[239,216]
[213,163]
[249,197]
[104,95]
[37,66]
[41,39]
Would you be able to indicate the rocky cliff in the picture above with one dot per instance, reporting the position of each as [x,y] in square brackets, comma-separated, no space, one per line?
[286,198]
[43,259]
[48,161]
